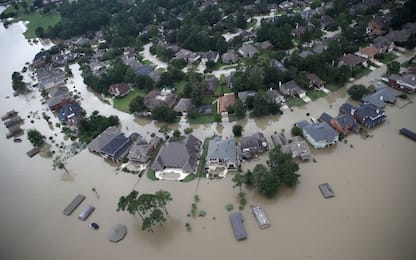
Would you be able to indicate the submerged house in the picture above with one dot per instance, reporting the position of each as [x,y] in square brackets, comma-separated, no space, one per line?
[59,97]
[291,88]
[70,113]
[222,153]
[319,135]
[178,159]
[253,145]
[141,151]
[344,123]
[369,116]
[111,144]
[298,147]
[380,98]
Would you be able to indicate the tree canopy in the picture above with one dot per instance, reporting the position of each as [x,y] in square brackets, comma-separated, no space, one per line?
[267,181]
[35,137]
[356,92]
[151,208]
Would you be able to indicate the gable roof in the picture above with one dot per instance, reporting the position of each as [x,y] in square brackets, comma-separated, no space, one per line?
[352,60]
[380,97]
[226,101]
[184,105]
[119,89]
[225,149]
[367,110]
[346,108]
[255,140]
[69,111]
[58,96]
[369,51]
[344,120]
[103,139]
[116,147]
[325,118]
[182,154]
[243,95]
[321,132]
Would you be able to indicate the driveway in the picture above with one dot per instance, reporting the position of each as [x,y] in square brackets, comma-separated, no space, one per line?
[153,59]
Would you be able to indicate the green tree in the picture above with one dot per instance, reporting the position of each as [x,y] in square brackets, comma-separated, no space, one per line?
[137,104]
[296,131]
[239,109]
[59,163]
[284,167]
[393,68]
[150,208]
[164,113]
[265,182]
[237,130]
[17,82]
[356,92]
[238,180]
[35,137]
[176,134]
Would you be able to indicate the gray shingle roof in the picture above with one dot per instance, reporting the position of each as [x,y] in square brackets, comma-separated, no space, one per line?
[321,132]
[179,154]
[222,149]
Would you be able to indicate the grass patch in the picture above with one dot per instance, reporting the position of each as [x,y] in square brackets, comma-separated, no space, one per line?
[151,174]
[294,101]
[314,94]
[361,72]
[203,119]
[333,86]
[34,18]
[220,90]
[123,103]
[37,20]
[387,58]
[146,62]
[179,87]
[207,99]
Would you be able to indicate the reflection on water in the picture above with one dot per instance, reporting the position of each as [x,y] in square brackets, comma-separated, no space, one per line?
[371,217]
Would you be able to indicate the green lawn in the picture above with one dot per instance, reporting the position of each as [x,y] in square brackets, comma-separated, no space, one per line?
[35,19]
[123,102]
[179,86]
[361,72]
[315,94]
[294,101]
[203,119]
[333,86]
[388,58]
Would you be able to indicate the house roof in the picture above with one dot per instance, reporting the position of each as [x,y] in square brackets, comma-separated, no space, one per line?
[68,111]
[321,132]
[369,51]
[212,83]
[225,149]
[117,146]
[302,124]
[247,50]
[379,97]
[226,101]
[182,154]
[57,96]
[103,139]
[184,105]
[314,78]
[346,108]
[292,85]
[244,94]
[325,118]
[119,89]
[255,140]
[157,98]
[278,139]
[409,80]
[399,36]
[344,120]
[367,110]
[278,65]
[352,60]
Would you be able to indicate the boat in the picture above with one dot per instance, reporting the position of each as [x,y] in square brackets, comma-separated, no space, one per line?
[74,204]
[86,212]
[17,140]
[261,217]
[326,190]
[237,224]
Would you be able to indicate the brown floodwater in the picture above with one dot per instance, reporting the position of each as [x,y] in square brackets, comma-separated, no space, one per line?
[371,217]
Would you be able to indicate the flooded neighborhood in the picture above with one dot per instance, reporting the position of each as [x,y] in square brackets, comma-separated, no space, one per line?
[353,198]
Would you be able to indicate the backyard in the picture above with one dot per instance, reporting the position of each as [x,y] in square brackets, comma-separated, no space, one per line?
[123,103]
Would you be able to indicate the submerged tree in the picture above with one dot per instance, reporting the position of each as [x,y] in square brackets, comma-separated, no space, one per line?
[35,137]
[59,163]
[150,208]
